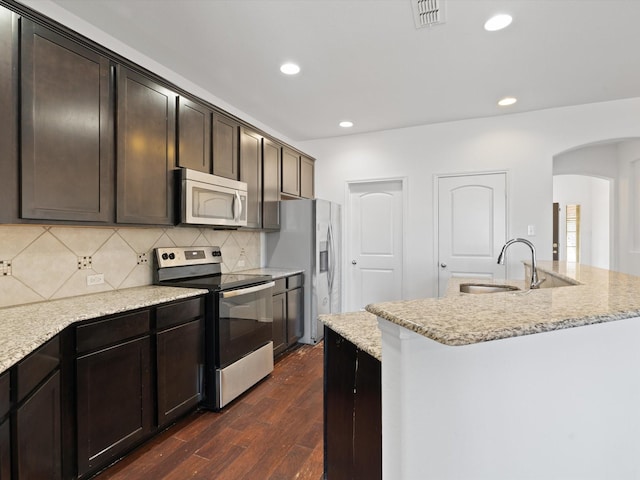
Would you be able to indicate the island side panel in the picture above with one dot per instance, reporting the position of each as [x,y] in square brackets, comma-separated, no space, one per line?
[556,405]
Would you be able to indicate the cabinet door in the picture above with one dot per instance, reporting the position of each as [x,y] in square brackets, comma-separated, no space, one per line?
[295,315]
[306,177]
[367,419]
[251,173]
[180,363]
[67,117]
[146,150]
[290,172]
[340,377]
[279,323]
[38,434]
[9,202]
[5,450]
[225,146]
[271,159]
[114,406]
[5,430]
[194,135]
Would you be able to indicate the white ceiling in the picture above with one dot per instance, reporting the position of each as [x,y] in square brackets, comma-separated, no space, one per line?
[365,61]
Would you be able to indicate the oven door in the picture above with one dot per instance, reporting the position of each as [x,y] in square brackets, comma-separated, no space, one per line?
[244,322]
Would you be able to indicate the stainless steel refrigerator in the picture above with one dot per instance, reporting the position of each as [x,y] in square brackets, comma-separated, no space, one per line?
[310,239]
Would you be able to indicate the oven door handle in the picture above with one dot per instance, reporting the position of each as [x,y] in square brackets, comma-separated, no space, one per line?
[245,291]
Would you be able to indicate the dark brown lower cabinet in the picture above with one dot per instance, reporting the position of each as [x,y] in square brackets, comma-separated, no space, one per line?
[5,427]
[5,450]
[279,323]
[295,314]
[38,434]
[352,411]
[114,402]
[180,367]
[288,312]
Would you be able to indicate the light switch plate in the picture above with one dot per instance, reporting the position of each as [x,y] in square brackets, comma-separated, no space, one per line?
[531,230]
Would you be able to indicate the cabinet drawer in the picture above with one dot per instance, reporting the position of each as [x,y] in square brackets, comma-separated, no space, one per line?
[105,332]
[294,281]
[35,368]
[4,394]
[180,312]
[280,285]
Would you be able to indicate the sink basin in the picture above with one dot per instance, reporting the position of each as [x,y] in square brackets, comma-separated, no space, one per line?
[486,288]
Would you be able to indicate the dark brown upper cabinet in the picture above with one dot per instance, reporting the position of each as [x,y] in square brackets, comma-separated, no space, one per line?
[67,134]
[146,150]
[251,173]
[9,107]
[194,135]
[225,146]
[306,177]
[290,172]
[271,159]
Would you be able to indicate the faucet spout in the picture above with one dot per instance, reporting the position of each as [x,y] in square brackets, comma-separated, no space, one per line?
[535,283]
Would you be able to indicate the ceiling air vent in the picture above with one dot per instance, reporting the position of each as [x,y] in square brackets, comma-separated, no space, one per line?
[427,13]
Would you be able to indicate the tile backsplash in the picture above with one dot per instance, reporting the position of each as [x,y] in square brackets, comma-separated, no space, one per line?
[47,262]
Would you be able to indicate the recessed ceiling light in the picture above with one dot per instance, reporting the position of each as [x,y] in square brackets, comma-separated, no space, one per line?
[290,69]
[346,124]
[498,22]
[506,101]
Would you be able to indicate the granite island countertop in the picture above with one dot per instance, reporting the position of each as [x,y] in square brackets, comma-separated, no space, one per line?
[360,328]
[463,319]
[24,328]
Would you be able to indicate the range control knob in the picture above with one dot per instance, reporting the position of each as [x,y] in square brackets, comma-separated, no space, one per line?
[172,256]
[165,256]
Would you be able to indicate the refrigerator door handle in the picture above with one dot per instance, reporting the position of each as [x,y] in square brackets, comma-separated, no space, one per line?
[331,262]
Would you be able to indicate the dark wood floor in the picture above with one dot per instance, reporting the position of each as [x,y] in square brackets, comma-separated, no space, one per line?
[274,432]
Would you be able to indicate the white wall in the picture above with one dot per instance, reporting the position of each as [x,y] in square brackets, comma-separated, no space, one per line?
[629,207]
[522,144]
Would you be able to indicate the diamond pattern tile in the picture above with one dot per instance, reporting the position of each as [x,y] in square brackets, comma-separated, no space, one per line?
[44,259]
[82,241]
[14,239]
[45,265]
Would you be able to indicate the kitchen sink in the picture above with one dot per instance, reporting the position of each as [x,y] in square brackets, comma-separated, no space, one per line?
[486,288]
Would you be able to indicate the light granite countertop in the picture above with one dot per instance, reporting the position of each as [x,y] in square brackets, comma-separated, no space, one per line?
[463,319]
[360,328]
[24,328]
[275,272]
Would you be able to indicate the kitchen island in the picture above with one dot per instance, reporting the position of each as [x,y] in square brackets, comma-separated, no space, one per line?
[502,386]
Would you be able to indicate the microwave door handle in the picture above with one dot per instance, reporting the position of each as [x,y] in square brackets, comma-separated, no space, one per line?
[237,206]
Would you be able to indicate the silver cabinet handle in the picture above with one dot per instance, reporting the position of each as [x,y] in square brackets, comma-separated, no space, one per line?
[443,265]
[353,262]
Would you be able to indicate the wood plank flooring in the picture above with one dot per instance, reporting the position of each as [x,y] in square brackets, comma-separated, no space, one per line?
[272,432]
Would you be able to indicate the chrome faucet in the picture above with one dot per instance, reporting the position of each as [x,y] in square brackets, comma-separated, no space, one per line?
[535,283]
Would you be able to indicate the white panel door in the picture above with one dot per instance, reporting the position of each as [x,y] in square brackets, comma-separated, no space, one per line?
[472,226]
[374,239]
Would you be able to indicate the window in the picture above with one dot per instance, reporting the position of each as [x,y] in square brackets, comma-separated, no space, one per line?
[573,233]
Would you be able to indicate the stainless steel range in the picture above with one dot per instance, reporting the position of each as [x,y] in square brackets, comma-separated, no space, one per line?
[239,318]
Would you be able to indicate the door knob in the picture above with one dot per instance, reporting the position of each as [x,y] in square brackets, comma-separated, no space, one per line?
[443,265]
[353,262]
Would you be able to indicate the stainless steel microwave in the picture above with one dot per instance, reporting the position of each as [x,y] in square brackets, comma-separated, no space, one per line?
[212,200]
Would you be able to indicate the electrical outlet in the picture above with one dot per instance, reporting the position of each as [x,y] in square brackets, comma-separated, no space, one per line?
[96,279]
[143,259]
[241,262]
[531,230]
